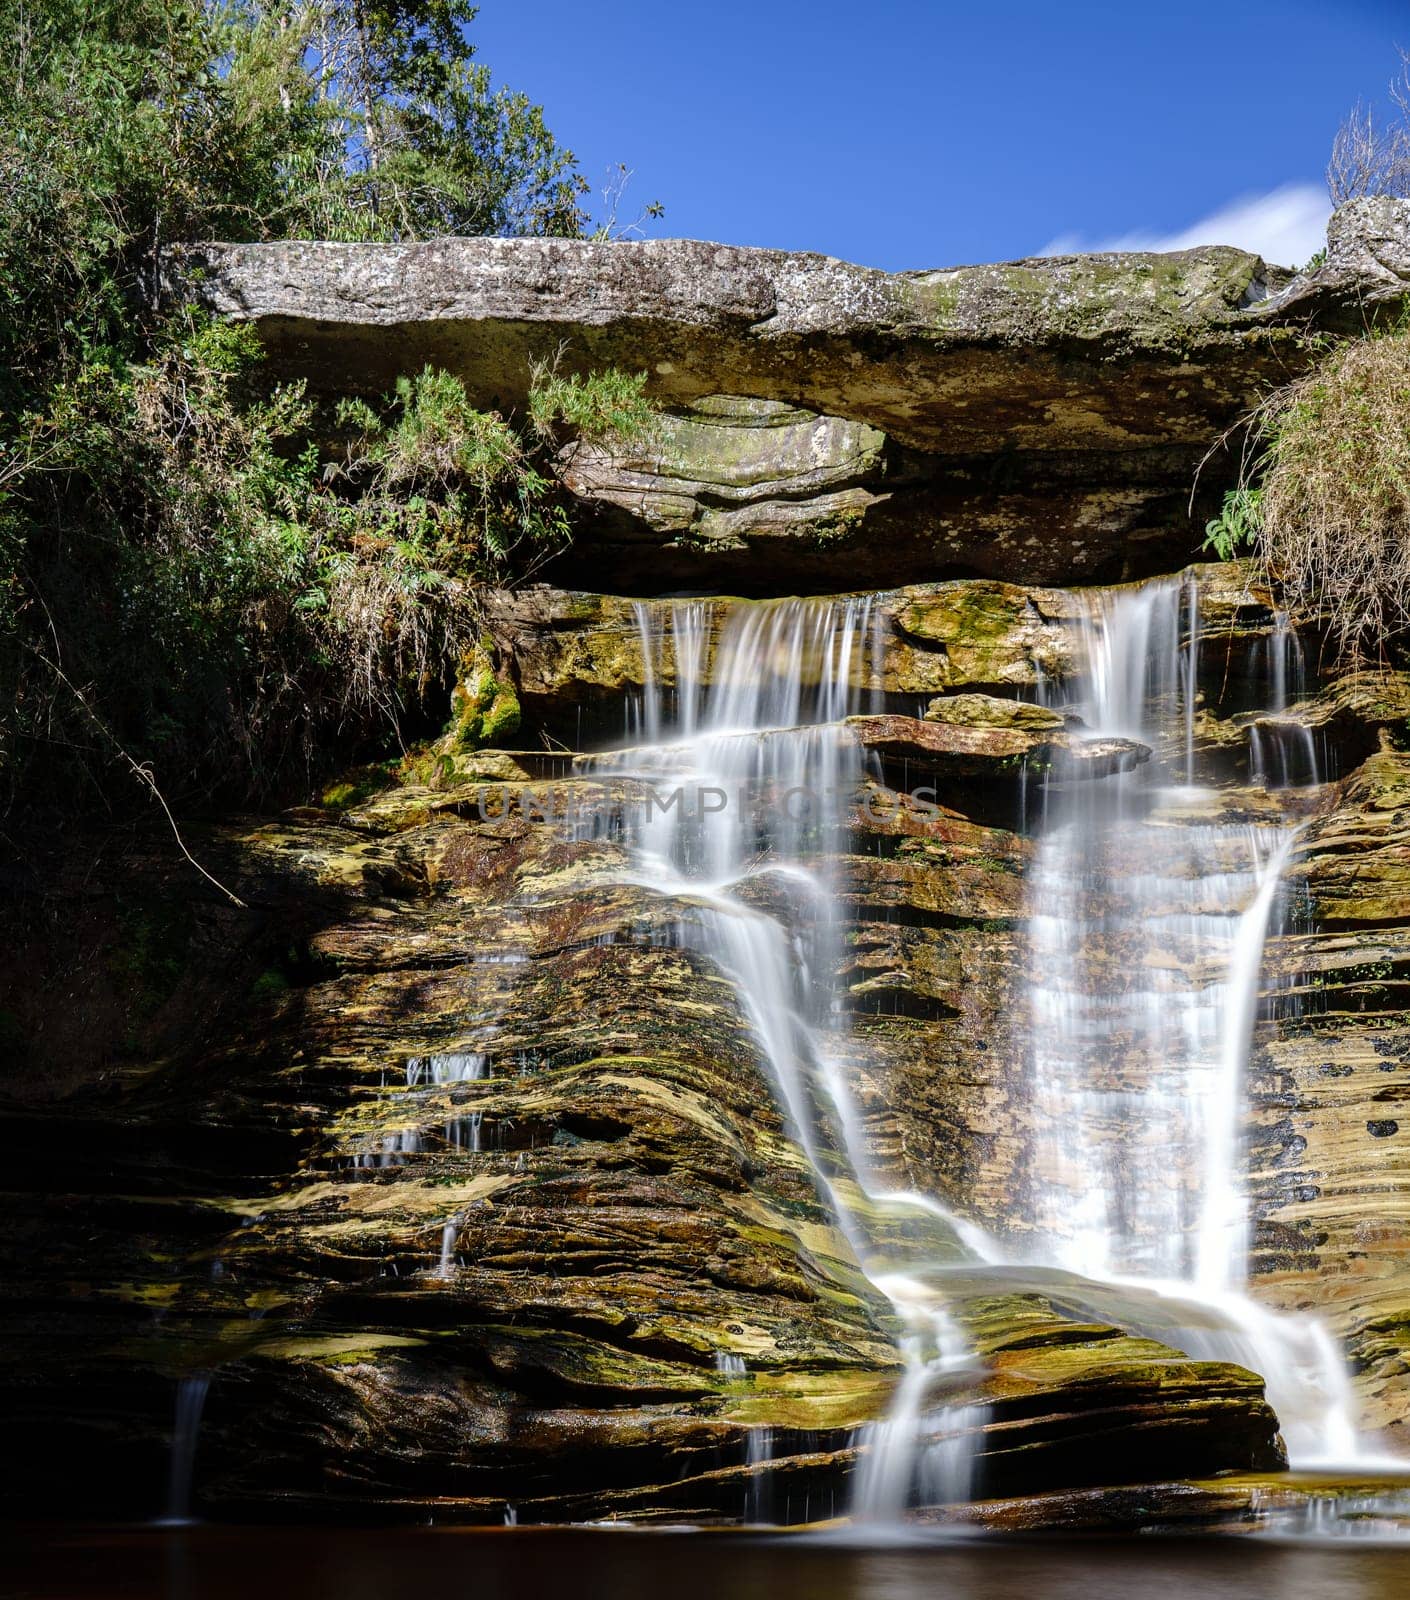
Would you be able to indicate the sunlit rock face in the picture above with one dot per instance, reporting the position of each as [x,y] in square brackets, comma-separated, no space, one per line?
[1039,421]
[1332,1085]
[469,1178]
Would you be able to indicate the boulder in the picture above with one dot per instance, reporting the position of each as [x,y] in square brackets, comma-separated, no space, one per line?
[993,711]
[955,750]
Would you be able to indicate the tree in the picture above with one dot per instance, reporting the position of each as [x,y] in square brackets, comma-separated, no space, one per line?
[1370,158]
[409,137]
[184,577]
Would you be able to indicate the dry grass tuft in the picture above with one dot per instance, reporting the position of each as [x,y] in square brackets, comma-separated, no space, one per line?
[1334,507]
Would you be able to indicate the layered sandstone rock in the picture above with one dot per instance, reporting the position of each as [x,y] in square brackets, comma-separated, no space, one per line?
[1331,1146]
[445,1170]
[1038,420]
[463,1185]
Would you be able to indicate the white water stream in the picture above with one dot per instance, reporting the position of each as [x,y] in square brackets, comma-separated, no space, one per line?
[1151,902]
[761,775]
[1150,907]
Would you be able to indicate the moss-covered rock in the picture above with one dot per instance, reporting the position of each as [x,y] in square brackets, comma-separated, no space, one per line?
[992,711]
[484,709]
[731,472]
[1043,418]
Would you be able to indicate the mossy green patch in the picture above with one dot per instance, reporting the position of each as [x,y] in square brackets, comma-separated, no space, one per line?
[484,706]
[269,986]
[361,783]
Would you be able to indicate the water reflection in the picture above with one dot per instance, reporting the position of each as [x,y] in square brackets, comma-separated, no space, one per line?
[502,1564]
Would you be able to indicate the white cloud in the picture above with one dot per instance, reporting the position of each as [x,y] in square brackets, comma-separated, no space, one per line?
[1285,226]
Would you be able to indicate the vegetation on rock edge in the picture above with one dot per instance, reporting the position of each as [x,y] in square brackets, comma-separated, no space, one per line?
[188,585]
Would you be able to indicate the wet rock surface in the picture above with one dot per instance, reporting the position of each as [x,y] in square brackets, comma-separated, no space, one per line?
[460,1179]
[1330,1170]
[453,1180]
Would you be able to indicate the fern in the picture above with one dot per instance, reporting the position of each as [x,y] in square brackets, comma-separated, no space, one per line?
[1236,527]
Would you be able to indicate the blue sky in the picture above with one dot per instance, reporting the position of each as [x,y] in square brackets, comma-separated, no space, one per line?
[908,134]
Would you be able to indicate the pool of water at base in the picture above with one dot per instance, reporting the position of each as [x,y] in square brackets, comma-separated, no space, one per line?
[206,1562]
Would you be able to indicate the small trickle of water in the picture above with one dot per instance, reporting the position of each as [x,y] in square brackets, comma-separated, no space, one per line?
[455,1066]
[446,1266]
[1380,1517]
[191,1394]
[463,1133]
[758,1450]
[394,1150]
[1282,748]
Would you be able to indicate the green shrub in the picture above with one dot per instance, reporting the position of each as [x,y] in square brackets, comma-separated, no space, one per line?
[1235,529]
[186,583]
[269,986]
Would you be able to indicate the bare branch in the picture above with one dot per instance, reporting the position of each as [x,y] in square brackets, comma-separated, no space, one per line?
[140,770]
[1369,159]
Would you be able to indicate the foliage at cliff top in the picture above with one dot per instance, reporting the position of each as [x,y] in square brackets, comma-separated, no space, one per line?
[185,581]
[1324,495]
[1331,517]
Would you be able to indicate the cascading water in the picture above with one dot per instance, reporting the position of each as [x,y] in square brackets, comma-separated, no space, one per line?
[1151,900]
[1282,748]
[1150,907]
[185,1436]
[747,778]
[461,1133]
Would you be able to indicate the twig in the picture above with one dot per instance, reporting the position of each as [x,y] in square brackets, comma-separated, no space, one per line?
[140,770]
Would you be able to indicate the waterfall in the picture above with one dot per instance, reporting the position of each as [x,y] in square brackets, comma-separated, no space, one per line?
[743,796]
[455,1066]
[913,1448]
[747,778]
[1282,748]
[1221,1254]
[1151,899]
[185,1435]
[1150,905]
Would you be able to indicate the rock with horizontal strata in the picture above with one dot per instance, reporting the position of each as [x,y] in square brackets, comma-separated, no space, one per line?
[1037,420]
[955,750]
[423,1289]
[1331,1090]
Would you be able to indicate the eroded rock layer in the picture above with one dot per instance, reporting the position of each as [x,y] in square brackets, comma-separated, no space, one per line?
[1330,1155]
[440,1176]
[1039,420]
[445,1177]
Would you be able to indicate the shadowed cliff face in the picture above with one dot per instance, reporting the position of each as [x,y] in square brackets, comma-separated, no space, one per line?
[518,1286]
[1039,421]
